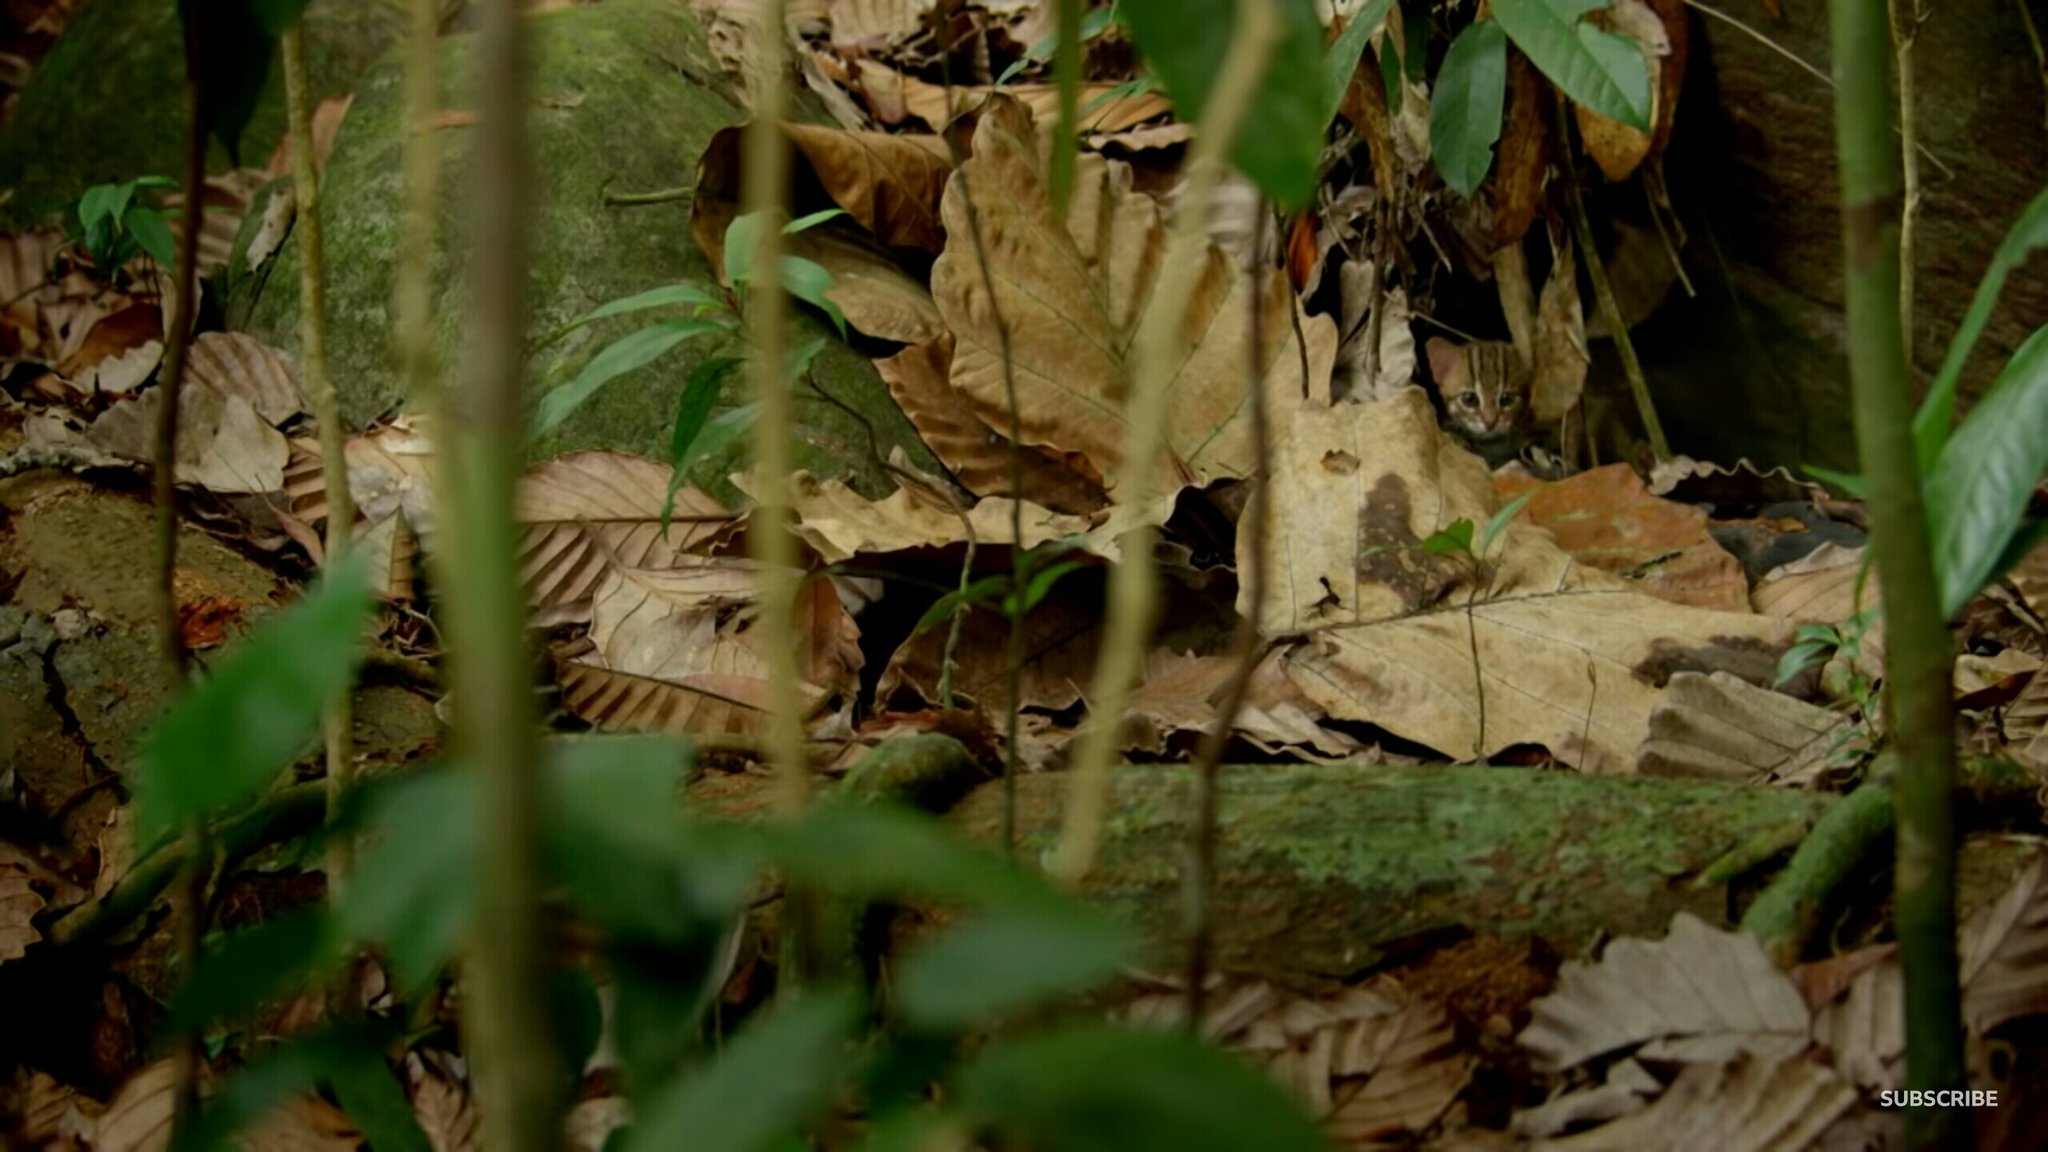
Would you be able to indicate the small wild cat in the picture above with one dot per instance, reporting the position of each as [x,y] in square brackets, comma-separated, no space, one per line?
[1484,388]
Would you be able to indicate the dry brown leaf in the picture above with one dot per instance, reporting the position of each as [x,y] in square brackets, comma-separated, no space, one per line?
[839,523]
[224,445]
[327,118]
[1863,1026]
[1061,640]
[237,365]
[1671,16]
[52,1112]
[1072,292]
[586,514]
[590,1123]
[1616,147]
[1626,1090]
[28,298]
[1143,137]
[117,851]
[2026,724]
[979,457]
[1752,1103]
[125,328]
[303,1124]
[278,213]
[1393,368]
[19,904]
[138,1118]
[125,373]
[1108,111]
[1560,342]
[443,1107]
[1607,520]
[1515,186]
[1720,728]
[1573,659]
[889,184]
[2005,953]
[1697,982]
[2030,579]
[874,293]
[226,198]
[876,27]
[388,472]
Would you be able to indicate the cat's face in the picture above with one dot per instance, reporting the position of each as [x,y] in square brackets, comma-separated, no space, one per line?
[1483,386]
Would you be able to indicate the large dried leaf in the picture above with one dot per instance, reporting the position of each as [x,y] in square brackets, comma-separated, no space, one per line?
[1616,147]
[2026,724]
[224,444]
[1072,293]
[874,293]
[1697,982]
[1572,659]
[889,184]
[443,1108]
[1863,1027]
[237,365]
[1062,637]
[389,471]
[138,1118]
[978,456]
[2005,953]
[839,523]
[1607,520]
[1719,728]
[19,904]
[586,514]
[1178,696]
[1109,110]
[52,1113]
[675,649]
[1560,342]
[1752,1103]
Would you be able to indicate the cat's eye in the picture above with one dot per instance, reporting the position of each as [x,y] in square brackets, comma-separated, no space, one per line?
[1510,400]
[1469,399]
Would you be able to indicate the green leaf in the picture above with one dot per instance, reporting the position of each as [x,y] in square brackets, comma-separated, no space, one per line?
[153,235]
[720,434]
[1041,585]
[1280,145]
[799,359]
[1500,520]
[249,967]
[693,410]
[670,295]
[770,1081]
[1931,425]
[808,281]
[1454,539]
[1341,61]
[1799,658]
[349,1057]
[986,588]
[884,851]
[1599,69]
[1094,1088]
[238,729]
[103,203]
[277,15]
[1849,483]
[415,884]
[369,1092]
[742,240]
[806,223]
[635,349]
[1006,961]
[1979,491]
[1465,112]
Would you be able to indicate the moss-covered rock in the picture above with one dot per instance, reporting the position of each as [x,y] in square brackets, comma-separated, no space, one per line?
[626,96]
[108,102]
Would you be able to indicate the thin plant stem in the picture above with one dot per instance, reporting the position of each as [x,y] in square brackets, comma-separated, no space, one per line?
[1013,654]
[505,1019]
[2040,50]
[1133,586]
[642,199]
[1905,21]
[420,166]
[1918,655]
[1255,529]
[1603,294]
[319,386]
[190,906]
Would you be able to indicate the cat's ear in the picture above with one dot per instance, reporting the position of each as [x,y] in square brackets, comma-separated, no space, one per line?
[1446,361]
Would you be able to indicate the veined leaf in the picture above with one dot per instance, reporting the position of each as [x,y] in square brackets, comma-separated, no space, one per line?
[1596,68]
[668,295]
[693,409]
[1498,522]
[238,729]
[635,349]
[1465,111]
[808,281]
[769,1082]
[1342,59]
[1931,425]
[1280,146]
[806,223]
[1979,491]
[1009,960]
[153,235]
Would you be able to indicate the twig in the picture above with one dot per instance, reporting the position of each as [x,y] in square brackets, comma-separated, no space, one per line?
[1254,525]
[1905,20]
[1013,653]
[1946,172]
[1603,292]
[1133,587]
[338,721]
[637,199]
[505,1016]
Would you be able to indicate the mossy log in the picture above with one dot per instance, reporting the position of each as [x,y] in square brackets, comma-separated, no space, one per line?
[1323,871]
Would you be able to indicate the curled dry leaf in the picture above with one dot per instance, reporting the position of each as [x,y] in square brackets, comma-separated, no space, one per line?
[226,198]
[1720,728]
[1522,160]
[1608,520]
[1863,1024]
[237,365]
[122,328]
[1178,696]
[1072,293]
[889,184]
[1616,147]
[1381,632]
[1697,982]
[839,523]
[979,457]
[1670,76]
[1108,109]
[2005,953]
[53,1114]
[586,514]
[138,1118]
[387,473]
[1751,1103]
[1359,374]
[327,118]
[874,293]
[443,1107]
[123,374]
[224,444]
[1560,342]
[19,904]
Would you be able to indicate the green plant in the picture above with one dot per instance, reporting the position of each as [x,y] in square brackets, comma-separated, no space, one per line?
[1455,540]
[113,228]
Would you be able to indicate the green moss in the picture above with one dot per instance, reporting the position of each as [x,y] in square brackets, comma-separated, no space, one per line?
[626,96]
[108,102]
